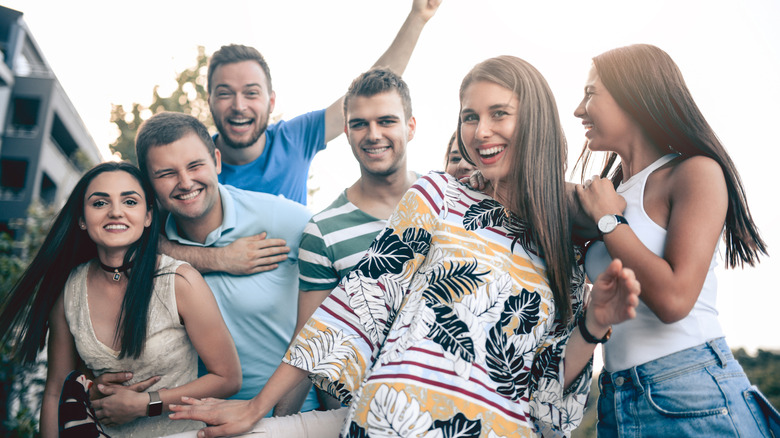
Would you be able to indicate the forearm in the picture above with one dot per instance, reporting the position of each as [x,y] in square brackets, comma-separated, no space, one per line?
[397,56]
[201,258]
[284,380]
[49,411]
[292,402]
[578,355]
[669,294]
[209,385]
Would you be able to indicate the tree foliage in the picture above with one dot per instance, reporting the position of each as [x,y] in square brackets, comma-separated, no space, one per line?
[20,386]
[189,97]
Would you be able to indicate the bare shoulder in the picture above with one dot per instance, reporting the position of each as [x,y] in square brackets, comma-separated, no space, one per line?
[188,278]
[697,168]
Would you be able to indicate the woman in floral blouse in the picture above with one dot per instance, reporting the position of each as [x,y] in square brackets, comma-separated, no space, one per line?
[467,315]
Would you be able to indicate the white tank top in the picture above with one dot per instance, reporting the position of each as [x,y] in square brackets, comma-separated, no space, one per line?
[646,337]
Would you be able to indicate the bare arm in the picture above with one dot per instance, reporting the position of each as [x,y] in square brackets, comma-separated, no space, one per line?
[396,58]
[62,358]
[697,200]
[211,339]
[613,299]
[244,256]
[231,417]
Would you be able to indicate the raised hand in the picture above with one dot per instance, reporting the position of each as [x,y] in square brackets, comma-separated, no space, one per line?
[425,8]
[613,298]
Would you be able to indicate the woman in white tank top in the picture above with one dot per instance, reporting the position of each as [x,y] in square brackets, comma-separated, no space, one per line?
[662,211]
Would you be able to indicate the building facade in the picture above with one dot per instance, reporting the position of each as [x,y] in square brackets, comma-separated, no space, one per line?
[44,145]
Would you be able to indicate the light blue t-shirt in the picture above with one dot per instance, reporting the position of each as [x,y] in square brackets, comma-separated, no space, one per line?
[283,167]
[260,310]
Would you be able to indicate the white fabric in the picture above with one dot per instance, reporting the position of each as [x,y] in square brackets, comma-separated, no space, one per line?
[646,337]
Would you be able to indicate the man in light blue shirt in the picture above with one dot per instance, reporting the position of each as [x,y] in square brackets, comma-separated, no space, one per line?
[176,153]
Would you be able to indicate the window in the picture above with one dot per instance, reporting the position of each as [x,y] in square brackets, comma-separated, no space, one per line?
[25,116]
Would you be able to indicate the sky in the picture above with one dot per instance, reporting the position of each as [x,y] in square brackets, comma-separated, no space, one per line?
[729,53]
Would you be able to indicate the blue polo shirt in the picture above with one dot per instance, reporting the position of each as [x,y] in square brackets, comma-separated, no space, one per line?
[260,310]
[283,167]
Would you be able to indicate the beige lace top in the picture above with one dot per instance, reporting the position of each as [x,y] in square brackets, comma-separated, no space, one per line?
[168,351]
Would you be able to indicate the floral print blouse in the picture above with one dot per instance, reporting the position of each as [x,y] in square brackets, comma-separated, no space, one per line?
[446,327]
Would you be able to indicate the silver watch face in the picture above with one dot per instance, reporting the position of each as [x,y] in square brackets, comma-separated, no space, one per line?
[607,223]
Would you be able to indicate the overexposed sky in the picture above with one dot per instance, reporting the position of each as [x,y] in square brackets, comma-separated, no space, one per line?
[729,52]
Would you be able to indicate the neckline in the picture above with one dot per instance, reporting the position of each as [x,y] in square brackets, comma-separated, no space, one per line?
[642,174]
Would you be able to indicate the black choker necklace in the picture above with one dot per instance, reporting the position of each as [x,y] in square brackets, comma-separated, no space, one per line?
[116,271]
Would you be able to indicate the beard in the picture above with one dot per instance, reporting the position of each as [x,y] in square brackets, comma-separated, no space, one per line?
[259,130]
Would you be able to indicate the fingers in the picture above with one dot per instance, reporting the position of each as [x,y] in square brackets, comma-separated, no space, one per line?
[108,389]
[118,378]
[143,386]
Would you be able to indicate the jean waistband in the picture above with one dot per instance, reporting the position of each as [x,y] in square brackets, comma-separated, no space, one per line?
[712,352]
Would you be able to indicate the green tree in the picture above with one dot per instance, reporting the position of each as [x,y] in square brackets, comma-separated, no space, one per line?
[189,97]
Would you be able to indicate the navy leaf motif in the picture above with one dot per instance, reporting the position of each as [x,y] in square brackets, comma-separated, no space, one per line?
[546,366]
[451,333]
[486,213]
[458,427]
[457,280]
[386,254]
[336,390]
[355,431]
[505,366]
[418,239]
[519,231]
[525,308]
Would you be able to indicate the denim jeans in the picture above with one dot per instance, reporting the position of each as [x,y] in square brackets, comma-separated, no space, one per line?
[701,391]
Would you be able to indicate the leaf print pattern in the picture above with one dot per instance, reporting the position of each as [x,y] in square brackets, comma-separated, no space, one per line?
[519,231]
[451,333]
[487,213]
[391,414]
[546,365]
[459,427]
[454,281]
[325,353]
[505,366]
[459,311]
[368,303]
[522,312]
[386,254]
[418,240]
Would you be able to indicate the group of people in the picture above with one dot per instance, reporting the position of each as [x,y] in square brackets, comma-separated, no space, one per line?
[465,303]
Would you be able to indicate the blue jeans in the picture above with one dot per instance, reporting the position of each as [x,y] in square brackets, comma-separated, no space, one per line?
[700,391]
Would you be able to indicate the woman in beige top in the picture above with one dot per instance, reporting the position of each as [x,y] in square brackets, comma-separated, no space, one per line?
[122,307]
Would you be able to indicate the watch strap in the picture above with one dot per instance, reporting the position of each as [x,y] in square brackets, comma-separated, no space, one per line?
[155,406]
[588,336]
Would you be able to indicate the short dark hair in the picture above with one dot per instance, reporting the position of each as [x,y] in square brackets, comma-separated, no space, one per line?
[379,80]
[234,53]
[165,128]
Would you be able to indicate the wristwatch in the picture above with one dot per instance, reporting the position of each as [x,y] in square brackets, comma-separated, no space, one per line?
[609,222]
[587,336]
[155,406]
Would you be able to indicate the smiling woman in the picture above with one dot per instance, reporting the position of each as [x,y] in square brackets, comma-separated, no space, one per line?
[104,241]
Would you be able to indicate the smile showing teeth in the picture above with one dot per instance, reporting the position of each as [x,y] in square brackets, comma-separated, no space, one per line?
[242,121]
[116,227]
[188,196]
[491,151]
[376,150]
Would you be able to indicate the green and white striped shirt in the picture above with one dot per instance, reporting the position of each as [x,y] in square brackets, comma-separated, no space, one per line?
[333,241]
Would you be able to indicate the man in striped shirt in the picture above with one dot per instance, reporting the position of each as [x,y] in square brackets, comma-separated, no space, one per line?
[378,124]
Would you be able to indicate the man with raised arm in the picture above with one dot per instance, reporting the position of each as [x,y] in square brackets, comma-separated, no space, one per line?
[274,159]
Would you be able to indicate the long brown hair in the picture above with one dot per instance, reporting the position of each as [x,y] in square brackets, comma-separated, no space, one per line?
[538,166]
[647,84]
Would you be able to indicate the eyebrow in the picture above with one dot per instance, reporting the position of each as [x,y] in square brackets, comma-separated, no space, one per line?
[106,195]
[254,84]
[171,169]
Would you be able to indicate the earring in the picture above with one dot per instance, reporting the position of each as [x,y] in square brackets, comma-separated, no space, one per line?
[83,226]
